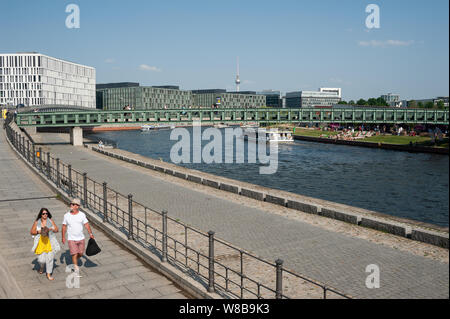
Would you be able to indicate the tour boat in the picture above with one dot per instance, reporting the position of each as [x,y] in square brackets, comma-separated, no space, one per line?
[148,127]
[272,135]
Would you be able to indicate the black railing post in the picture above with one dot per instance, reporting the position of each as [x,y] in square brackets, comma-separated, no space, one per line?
[85,199]
[69,169]
[130,216]
[49,172]
[211,262]
[28,151]
[279,282]
[58,175]
[105,203]
[40,159]
[164,236]
[22,148]
[33,148]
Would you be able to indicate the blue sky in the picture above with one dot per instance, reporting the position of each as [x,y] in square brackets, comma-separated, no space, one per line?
[284,45]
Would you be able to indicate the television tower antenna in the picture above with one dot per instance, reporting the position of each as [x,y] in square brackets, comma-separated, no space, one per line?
[238,81]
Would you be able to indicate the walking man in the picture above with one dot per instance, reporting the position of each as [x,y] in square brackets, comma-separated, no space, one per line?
[73,223]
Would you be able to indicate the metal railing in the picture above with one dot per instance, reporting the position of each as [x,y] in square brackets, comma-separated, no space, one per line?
[219,266]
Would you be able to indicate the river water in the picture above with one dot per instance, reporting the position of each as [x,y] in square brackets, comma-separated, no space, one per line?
[408,185]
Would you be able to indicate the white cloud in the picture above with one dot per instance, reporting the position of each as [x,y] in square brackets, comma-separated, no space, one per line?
[146,67]
[387,43]
[110,60]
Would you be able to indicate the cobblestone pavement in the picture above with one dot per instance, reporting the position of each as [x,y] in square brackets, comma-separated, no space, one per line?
[324,255]
[114,273]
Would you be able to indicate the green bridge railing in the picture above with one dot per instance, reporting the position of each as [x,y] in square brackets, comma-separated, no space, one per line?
[261,115]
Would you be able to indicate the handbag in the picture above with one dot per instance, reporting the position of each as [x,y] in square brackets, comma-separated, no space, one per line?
[92,248]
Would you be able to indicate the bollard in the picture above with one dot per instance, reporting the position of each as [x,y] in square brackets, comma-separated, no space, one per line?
[279,282]
[164,236]
[58,176]
[211,262]
[130,216]
[105,203]
[69,168]
[85,198]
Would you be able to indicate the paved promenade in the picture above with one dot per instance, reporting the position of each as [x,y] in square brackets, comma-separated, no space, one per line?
[114,273]
[324,255]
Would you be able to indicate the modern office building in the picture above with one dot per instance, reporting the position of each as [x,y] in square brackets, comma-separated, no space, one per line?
[323,97]
[392,99]
[294,99]
[230,100]
[273,98]
[35,79]
[115,96]
[144,98]
[435,101]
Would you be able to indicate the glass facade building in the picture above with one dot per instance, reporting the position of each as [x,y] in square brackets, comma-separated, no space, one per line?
[144,98]
[273,98]
[116,97]
[230,100]
[308,99]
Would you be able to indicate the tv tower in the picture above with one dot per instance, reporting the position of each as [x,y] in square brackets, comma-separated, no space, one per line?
[238,81]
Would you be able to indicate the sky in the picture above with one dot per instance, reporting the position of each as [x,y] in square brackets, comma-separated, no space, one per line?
[285,45]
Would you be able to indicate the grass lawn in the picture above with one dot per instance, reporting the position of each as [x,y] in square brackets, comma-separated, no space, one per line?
[314,133]
[387,139]
[394,139]
[405,140]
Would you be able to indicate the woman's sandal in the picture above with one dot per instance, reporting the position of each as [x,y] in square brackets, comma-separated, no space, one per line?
[50,277]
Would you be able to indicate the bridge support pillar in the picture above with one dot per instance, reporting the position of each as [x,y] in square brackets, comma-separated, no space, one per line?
[76,136]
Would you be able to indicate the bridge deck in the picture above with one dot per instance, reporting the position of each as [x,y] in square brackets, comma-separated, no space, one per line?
[266,115]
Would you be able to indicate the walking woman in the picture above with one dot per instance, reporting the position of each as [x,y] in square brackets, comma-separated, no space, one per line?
[45,243]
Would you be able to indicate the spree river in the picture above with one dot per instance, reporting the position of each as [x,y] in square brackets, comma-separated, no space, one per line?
[401,184]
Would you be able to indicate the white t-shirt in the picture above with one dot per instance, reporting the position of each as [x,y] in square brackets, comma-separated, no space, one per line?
[75,225]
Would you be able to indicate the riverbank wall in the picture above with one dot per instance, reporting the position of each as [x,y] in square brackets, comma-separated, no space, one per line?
[393,147]
[411,229]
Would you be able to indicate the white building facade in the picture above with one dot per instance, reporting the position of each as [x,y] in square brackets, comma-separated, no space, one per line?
[392,99]
[34,79]
[309,99]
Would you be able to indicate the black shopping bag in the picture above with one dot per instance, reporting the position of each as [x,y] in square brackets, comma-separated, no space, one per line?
[92,248]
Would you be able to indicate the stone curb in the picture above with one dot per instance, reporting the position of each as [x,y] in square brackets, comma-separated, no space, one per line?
[391,227]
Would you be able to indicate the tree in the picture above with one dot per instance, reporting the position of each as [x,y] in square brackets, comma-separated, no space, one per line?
[440,105]
[372,101]
[342,102]
[361,102]
[420,105]
[412,103]
[381,102]
[351,102]
[429,105]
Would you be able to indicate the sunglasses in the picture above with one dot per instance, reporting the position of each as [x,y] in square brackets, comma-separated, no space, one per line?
[44,213]
[72,204]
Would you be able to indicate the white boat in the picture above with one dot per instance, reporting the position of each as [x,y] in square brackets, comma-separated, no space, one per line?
[271,135]
[148,127]
[220,125]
